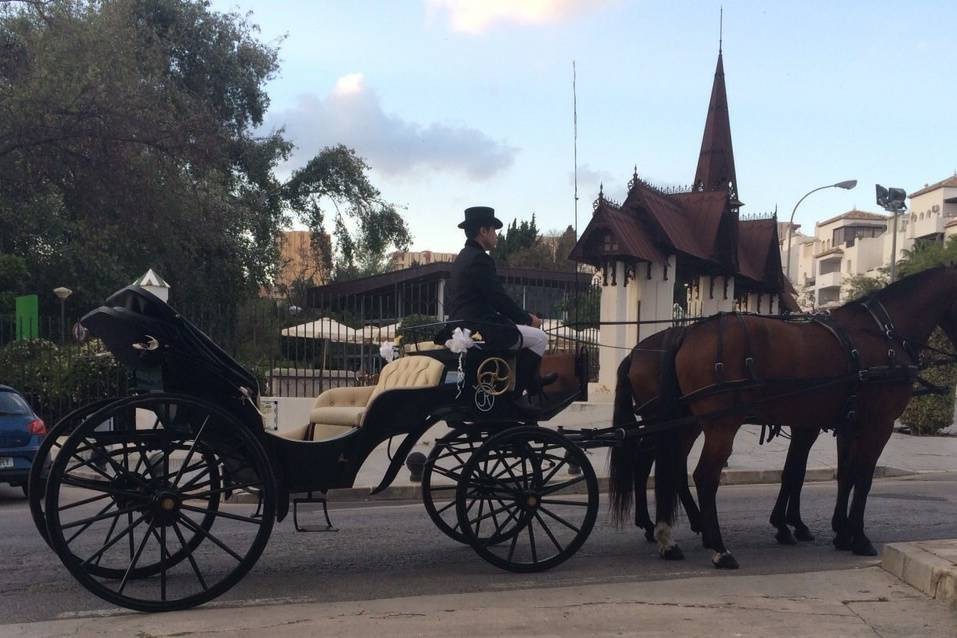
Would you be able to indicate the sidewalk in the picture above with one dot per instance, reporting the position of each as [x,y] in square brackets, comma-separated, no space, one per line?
[749,463]
[846,604]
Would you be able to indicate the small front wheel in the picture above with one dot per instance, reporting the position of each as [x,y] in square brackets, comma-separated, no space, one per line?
[518,504]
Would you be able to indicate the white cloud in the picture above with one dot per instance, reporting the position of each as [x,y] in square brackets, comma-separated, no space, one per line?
[475,16]
[352,115]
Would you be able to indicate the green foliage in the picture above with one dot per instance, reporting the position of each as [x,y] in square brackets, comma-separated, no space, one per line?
[130,138]
[57,380]
[521,245]
[860,285]
[338,176]
[13,279]
[932,413]
[928,254]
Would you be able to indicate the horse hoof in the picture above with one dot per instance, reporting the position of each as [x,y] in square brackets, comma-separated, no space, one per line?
[802,533]
[785,537]
[864,548]
[672,553]
[650,534]
[842,543]
[724,560]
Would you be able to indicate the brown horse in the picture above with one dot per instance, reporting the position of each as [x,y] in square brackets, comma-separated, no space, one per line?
[647,388]
[854,369]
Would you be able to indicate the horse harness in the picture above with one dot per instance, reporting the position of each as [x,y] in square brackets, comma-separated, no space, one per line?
[894,371]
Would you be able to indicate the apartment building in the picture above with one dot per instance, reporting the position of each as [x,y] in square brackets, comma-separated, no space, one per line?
[860,243]
[402,259]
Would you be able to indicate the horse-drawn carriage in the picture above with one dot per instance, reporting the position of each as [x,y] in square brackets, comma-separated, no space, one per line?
[165,499]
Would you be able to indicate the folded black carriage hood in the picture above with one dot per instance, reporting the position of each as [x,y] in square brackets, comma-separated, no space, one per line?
[143,332]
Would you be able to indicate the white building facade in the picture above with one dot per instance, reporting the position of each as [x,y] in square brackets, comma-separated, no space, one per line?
[859,243]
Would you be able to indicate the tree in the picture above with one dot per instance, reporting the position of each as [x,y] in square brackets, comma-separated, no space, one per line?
[522,246]
[861,285]
[338,176]
[931,413]
[129,139]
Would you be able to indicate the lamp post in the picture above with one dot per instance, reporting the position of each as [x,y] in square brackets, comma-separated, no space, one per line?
[62,293]
[846,185]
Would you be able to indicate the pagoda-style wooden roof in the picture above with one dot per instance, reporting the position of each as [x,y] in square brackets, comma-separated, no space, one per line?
[699,225]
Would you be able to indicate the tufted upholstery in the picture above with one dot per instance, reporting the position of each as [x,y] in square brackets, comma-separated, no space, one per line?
[409,372]
[346,407]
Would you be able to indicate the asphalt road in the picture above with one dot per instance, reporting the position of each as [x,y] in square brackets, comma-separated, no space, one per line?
[392,550]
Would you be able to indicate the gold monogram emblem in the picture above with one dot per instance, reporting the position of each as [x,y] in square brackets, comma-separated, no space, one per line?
[494,376]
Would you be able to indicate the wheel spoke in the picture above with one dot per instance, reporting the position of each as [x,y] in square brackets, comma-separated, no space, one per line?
[531,540]
[551,489]
[196,528]
[115,540]
[549,501]
[100,486]
[85,501]
[233,517]
[189,455]
[220,490]
[87,525]
[548,533]
[139,552]
[560,520]
[99,517]
[189,557]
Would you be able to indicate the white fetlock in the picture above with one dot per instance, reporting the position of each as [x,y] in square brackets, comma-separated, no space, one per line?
[663,537]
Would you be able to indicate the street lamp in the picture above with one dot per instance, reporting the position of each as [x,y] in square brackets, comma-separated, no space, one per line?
[62,293]
[846,185]
[893,201]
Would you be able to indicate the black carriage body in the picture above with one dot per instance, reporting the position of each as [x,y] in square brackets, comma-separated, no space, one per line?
[149,336]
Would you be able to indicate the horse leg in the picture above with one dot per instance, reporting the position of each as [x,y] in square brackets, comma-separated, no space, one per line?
[845,473]
[718,441]
[869,448]
[668,465]
[804,440]
[644,461]
[684,491]
[787,508]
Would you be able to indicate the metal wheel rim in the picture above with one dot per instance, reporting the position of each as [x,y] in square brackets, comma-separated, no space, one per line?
[243,451]
[543,533]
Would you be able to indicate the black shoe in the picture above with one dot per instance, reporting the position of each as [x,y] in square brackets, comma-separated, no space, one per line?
[549,378]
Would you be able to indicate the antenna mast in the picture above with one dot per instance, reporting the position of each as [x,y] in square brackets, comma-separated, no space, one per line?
[575,128]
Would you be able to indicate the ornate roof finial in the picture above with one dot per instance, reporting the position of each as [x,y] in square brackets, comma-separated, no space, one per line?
[600,198]
[634,179]
[720,29]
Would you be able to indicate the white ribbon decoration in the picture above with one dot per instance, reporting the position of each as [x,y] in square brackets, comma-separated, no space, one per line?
[460,342]
[388,351]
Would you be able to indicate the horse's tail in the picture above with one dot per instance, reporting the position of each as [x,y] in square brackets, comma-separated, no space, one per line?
[621,478]
[669,461]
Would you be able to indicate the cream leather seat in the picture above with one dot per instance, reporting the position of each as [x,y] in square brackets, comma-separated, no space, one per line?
[339,410]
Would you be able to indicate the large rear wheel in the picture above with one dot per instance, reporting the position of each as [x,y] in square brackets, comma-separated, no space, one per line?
[48,450]
[136,491]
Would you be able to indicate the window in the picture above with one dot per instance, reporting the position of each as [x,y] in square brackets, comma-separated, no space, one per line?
[610,245]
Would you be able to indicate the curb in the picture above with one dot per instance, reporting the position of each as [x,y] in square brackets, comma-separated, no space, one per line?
[728,477]
[928,566]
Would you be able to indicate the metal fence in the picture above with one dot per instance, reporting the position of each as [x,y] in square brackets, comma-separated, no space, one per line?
[292,351]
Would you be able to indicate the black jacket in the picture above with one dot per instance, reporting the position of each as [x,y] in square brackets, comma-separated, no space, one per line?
[476,295]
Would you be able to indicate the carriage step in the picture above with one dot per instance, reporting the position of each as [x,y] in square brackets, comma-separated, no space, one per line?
[325,511]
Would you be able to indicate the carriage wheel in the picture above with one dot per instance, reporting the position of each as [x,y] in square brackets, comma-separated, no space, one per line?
[518,487]
[128,496]
[447,458]
[40,468]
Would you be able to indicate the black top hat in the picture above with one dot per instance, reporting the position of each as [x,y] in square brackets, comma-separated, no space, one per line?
[480,216]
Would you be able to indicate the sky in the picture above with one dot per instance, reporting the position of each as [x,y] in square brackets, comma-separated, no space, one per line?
[456,103]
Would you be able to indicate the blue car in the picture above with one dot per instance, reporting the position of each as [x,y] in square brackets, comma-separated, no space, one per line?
[21,431]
